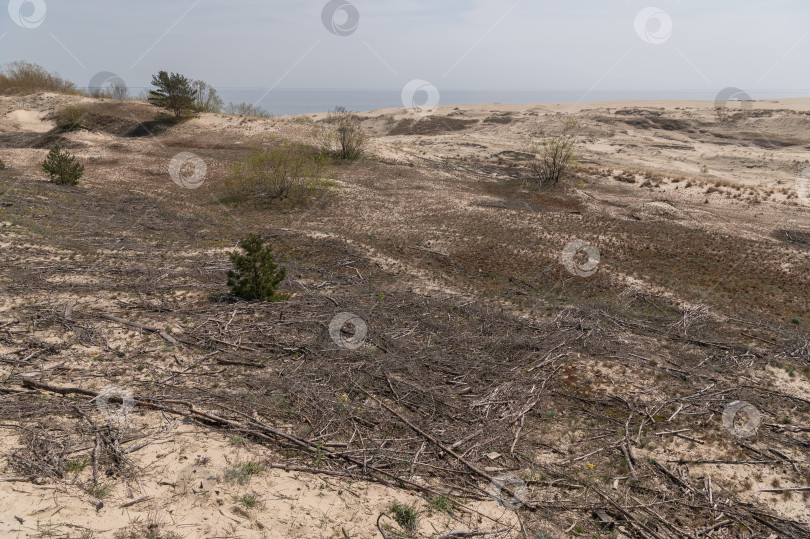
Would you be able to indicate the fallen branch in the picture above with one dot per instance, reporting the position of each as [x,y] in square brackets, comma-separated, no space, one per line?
[137,325]
[475,469]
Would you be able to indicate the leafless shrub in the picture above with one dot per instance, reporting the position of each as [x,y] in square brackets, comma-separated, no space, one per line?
[343,135]
[247,109]
[554,156]
[27,78]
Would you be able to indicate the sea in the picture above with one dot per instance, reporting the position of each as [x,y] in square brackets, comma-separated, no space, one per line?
[291,101]
[283,102]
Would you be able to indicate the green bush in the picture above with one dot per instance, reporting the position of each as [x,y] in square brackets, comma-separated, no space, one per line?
[255,276]
[62,167]
[2,165]
[174,93]
[287,171]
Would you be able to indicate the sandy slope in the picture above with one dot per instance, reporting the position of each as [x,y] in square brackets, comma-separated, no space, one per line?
[742,172]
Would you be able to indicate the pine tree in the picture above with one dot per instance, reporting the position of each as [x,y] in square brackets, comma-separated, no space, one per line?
[62,167]
[174,93]
[255,275]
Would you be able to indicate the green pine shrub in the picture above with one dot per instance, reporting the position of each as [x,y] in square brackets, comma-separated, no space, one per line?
[255,276]
[62,167]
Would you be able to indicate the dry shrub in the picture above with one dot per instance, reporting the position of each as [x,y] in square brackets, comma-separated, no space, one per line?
[247,109]
[27,78]
[554,156]
[343,137]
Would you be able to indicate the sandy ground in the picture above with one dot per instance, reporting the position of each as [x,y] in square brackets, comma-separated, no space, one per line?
[734,174]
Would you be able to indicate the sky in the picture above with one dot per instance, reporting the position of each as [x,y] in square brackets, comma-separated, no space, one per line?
[454,44]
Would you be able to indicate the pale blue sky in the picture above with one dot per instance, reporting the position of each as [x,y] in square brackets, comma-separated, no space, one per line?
[455,44]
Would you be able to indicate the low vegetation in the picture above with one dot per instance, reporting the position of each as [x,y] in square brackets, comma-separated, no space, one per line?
[442,503]
[343,136]
[247,109]
[117,91]
[286,171]
[71,118]
[248,501]
[255,275]
[406,515]
[62,167]
[554,156]
[206,98]
[241,473]
[28,78]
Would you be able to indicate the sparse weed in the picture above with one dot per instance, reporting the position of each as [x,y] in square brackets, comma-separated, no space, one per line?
[442,503]
[249,501]
[405,515]
[241,473]
[100,491]
[76,465]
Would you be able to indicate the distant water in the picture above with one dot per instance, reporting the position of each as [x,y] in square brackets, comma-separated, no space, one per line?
[283,102]
[286,101]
